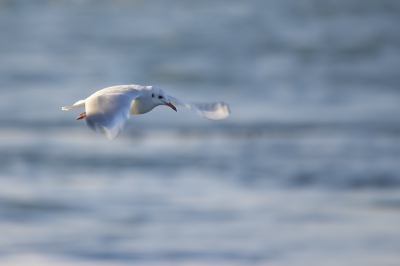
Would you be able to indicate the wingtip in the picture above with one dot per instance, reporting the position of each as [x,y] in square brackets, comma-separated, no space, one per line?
[220,111]
[111,134]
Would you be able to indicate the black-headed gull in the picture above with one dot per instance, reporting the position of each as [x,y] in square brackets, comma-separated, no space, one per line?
[107,110]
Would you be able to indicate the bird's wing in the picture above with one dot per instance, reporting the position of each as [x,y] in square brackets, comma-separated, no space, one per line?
[107,111]
[213,111]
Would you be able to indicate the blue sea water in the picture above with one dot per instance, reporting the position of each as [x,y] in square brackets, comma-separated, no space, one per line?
[305,171]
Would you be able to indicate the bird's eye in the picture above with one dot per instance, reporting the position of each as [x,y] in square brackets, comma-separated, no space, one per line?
[152,95]
[160,97]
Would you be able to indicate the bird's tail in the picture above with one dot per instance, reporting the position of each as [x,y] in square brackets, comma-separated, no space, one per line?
[78,104]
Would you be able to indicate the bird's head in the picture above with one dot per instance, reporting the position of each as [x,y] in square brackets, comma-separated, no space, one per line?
[159,97]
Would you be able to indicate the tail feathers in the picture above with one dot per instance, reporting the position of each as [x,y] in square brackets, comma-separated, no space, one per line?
[78,104]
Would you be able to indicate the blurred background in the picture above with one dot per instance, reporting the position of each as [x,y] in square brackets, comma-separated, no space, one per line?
[305,171]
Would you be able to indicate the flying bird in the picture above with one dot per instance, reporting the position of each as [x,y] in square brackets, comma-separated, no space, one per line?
[107,110]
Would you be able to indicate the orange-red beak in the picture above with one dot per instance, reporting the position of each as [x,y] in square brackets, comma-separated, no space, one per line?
[172,106]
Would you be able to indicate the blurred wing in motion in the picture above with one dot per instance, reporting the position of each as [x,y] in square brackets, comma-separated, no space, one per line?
[213,111]
[108,111]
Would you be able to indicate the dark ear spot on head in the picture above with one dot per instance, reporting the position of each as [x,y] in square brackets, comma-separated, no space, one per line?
[152,95]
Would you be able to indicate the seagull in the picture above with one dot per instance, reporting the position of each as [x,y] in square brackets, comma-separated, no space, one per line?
[107,110]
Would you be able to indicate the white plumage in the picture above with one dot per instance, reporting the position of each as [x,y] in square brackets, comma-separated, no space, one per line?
[107,110]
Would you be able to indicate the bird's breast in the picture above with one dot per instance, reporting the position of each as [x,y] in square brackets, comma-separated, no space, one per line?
[138,107]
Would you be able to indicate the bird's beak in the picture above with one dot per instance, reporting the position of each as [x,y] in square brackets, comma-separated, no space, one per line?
[171,105]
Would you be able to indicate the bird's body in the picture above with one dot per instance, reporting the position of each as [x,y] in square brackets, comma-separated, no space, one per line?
[107,110]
